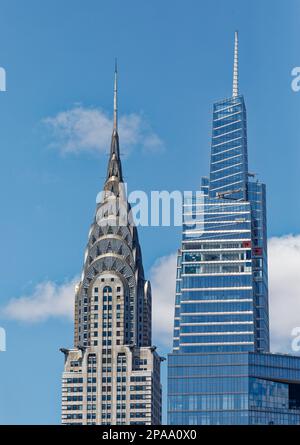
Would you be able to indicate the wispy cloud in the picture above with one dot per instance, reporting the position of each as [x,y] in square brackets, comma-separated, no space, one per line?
[81,129]
[51,300]
[47,300]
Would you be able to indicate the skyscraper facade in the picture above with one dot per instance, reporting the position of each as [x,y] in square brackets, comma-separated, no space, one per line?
[221,371]
[112,375]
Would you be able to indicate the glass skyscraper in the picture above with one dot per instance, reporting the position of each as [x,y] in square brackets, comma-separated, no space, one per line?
[220,370]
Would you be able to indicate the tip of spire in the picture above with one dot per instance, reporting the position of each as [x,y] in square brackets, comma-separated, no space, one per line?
[116,97]
[235,83]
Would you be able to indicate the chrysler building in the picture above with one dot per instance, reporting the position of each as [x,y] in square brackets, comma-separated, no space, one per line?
[112,375]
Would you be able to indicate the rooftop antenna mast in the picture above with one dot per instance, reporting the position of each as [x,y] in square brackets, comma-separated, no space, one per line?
[235,83]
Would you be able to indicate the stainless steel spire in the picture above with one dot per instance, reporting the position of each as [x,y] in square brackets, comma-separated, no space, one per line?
[235,83]
[114,171]
[116,98]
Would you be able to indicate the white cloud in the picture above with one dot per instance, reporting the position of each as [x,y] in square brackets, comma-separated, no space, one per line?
[284,290]
[47,300]
[89,130]
[162,277]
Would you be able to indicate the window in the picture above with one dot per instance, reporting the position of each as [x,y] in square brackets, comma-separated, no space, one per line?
[107,290]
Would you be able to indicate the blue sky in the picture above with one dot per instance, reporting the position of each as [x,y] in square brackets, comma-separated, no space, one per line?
[175,59]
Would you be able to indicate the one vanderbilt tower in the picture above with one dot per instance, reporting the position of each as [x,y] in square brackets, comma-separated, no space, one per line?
[221,370]
[112,375]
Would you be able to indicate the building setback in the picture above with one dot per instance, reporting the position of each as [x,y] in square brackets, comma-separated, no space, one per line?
[221,370]
[112,375]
